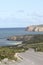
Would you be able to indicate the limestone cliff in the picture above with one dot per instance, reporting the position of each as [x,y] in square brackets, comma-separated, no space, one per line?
[34,28]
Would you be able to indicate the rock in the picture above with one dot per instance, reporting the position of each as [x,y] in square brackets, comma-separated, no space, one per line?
[17,57]
[15,38]
[13,61]
[19,38]
[5,61]
[30,28]
[0,61]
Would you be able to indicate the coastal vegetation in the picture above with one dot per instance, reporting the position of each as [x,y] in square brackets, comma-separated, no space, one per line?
[10,51]
[35,42]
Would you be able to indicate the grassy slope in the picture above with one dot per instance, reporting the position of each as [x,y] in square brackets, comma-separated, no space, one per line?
[9,52]
[35,42]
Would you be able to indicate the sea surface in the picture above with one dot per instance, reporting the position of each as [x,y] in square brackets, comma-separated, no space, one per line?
[7,32]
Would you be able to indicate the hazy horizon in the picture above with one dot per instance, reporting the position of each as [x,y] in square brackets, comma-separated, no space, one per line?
[21,26]
[20,13]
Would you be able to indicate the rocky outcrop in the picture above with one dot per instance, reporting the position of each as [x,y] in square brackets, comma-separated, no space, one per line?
[20,38]
[34,28]
[30,28]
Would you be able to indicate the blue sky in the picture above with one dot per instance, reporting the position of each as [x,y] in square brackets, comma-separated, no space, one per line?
[20,13]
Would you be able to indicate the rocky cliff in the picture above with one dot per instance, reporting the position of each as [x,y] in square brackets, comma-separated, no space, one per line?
[34,28]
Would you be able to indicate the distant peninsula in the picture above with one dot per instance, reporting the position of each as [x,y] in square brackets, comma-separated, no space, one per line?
[35,28]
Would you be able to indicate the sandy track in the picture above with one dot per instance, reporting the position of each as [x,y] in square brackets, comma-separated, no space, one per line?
[32,58]
[29,58]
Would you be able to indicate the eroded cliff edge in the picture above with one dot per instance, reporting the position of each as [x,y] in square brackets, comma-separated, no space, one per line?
[35,28]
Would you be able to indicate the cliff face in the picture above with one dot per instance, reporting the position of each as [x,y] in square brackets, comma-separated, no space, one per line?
[35,28]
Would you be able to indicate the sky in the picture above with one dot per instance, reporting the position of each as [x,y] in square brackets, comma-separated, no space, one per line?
[20,13]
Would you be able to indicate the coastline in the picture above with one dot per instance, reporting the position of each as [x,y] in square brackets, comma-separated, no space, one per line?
[19,53]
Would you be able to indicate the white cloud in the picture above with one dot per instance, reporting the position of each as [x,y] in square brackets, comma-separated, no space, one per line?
[22,20]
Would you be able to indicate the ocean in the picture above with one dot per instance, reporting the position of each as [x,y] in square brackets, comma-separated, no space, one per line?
[7,32]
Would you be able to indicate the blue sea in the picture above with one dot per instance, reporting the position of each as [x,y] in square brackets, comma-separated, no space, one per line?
[7,32]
